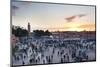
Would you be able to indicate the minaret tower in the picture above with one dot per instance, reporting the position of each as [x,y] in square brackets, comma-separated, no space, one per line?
[29,27]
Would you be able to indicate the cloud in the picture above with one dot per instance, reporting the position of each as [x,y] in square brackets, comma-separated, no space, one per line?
[81,15]
[87,26]
[58,28]
[15,7]
[71,18]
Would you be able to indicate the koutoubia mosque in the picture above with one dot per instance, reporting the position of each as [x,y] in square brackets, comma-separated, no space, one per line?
[29,28]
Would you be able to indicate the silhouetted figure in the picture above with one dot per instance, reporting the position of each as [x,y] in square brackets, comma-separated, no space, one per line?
[58,52]
[23,63]
[36,60]
[61,60]
[43,61]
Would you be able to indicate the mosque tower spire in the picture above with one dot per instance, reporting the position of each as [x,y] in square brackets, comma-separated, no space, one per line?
[29,27]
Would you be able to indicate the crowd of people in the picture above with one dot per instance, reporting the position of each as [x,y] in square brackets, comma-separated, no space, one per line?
[53,50]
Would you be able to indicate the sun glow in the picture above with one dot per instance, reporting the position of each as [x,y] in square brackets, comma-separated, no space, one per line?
[75,29]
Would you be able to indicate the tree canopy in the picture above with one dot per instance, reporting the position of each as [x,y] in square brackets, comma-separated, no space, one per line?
[19,32]
[39,33]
